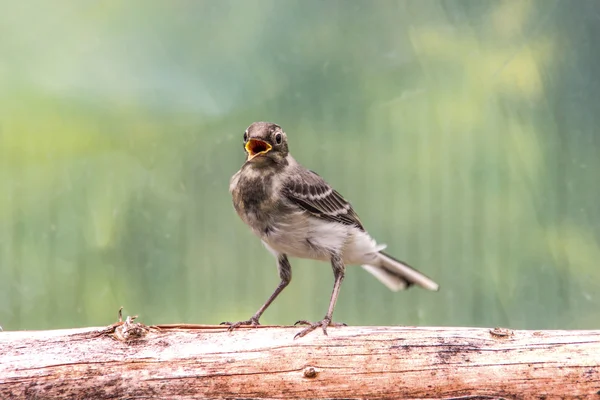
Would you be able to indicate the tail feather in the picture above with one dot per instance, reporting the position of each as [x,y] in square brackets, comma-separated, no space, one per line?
[397,275]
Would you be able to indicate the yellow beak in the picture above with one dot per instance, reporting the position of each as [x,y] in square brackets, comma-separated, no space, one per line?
[257,147]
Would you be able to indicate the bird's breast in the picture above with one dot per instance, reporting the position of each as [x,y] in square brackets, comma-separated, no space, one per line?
[304,236]
[255,198]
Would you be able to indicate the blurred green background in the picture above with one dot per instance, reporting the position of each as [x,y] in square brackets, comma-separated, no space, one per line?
[465,133]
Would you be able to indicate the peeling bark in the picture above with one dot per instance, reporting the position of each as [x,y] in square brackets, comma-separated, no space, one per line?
[129,360]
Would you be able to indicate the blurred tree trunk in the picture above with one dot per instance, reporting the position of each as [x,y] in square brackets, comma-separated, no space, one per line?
[129,360]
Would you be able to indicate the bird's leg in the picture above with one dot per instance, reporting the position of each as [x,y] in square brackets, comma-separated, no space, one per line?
[285,273]
[338,273]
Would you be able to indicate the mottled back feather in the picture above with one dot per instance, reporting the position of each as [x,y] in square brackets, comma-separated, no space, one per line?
[310,192]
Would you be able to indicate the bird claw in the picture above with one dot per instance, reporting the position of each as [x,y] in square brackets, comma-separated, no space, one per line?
[324,323]
[253,322]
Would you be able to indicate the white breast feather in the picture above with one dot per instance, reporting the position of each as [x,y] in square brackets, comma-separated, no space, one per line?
[302,237]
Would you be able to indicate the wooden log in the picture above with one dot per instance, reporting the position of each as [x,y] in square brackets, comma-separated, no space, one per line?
[130,360]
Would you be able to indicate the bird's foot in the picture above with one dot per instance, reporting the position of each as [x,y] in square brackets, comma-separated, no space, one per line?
[324,323]
[253,322]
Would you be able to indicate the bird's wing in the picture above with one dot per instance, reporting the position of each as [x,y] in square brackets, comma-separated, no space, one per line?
[311,193]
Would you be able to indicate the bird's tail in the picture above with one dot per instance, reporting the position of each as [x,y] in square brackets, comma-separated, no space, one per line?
[397,275]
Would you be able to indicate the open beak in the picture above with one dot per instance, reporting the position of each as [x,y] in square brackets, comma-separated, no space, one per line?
[256,147]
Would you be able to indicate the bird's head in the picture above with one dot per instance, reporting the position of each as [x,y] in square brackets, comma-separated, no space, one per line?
[265,142]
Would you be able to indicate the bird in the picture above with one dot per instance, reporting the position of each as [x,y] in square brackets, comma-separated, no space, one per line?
[296,213]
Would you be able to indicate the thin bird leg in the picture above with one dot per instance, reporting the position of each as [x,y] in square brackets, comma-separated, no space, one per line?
[338,273]
[285,273]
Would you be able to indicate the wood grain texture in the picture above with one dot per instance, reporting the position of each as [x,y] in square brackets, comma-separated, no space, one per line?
[180,362]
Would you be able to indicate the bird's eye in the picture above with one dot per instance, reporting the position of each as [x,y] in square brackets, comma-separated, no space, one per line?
[278,138]
[245,137]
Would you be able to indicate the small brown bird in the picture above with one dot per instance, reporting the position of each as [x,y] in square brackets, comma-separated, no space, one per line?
[296,213]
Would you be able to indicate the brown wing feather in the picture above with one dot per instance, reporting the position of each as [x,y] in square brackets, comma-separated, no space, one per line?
[309,191]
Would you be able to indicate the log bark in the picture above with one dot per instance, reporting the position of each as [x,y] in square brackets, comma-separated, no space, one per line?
[129,360]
